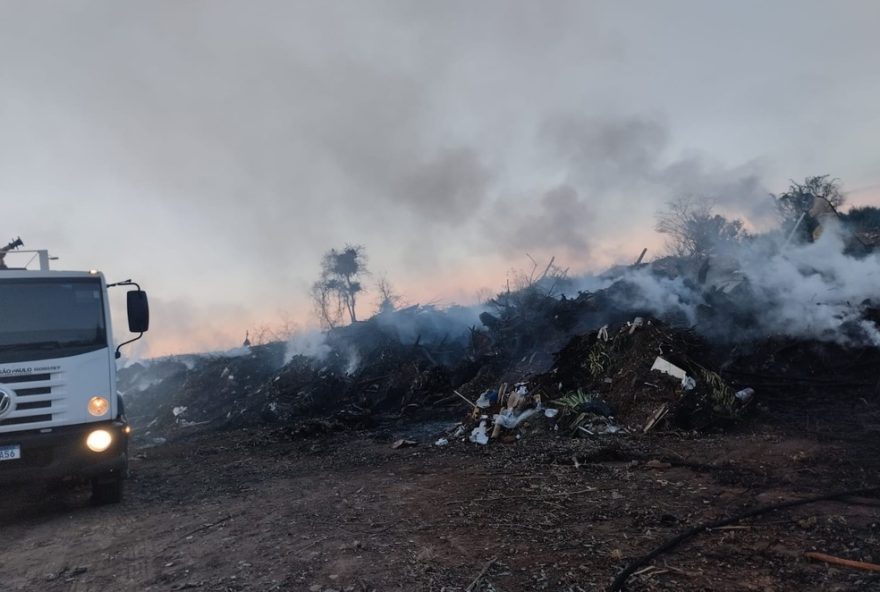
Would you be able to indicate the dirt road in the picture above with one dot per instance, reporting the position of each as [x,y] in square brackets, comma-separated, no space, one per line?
[255,510]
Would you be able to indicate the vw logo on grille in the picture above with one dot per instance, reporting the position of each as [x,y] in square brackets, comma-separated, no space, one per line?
[5,403]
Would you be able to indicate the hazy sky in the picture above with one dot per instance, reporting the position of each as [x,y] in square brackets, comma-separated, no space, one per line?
[214,150]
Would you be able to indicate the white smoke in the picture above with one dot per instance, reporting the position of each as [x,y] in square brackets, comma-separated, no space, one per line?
[311,344]
[664,296]
[354,362]
[314,346]
[431,324]
[235,352]
[815,290]
[760,288]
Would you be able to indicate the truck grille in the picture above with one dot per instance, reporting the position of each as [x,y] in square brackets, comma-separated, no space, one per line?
[26,420]
[29,378]
[37,399]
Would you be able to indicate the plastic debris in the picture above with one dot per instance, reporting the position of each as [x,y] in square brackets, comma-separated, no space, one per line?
[601,427]
[441,442]
[665,367]
[479,435]
[487,399]
[551,413]
[509,419]
[190,424]
[688,383]
[745,395]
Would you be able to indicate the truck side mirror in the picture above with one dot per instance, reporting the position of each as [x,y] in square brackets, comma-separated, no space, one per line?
[138,311]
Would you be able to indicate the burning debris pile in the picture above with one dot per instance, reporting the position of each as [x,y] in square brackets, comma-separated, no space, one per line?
[650,374]
[686,342]
[613,380]
[633,376]
[164,397]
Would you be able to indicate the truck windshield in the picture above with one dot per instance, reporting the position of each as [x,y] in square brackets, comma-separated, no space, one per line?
[43,318]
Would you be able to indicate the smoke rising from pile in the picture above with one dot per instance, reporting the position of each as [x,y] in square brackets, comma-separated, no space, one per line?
[428,326]
[811,291]
[762,287]
[316,346]
[311,344]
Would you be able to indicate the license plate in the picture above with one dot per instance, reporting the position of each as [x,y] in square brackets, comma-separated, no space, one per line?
[11,452]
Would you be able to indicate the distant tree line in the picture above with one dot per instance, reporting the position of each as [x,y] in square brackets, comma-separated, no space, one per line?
[694,228]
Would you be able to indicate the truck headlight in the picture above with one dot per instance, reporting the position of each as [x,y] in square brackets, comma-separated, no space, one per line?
[99,440]
[99,406]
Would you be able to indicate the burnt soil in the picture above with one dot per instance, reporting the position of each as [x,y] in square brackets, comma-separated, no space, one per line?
[264,509]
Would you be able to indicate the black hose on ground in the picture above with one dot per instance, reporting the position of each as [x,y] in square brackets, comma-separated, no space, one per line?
[621,578]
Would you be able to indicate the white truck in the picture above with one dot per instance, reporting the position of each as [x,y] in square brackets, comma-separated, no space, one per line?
[60,414]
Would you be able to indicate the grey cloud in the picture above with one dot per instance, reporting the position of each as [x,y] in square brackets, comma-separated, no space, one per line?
[618,172]
[619,157]
[607,153]
[740,190]
[448,187]
[557,222]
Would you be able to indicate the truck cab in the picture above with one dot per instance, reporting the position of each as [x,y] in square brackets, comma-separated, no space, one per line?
[60,415]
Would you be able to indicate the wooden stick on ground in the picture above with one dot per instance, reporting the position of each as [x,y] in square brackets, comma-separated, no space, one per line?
[311,544]
[474,405]
[502,392]
[207,526]
[843,562]
[480,576]
[641,257]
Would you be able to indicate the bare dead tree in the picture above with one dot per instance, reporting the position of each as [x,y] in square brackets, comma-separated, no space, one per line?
[692,228]
[538,276]
[286,327]
[387,297]
[483,295]
[282,331]
[260,335]
[335,293]
[328,309]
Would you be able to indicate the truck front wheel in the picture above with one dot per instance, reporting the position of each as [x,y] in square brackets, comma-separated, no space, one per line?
[107,489]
